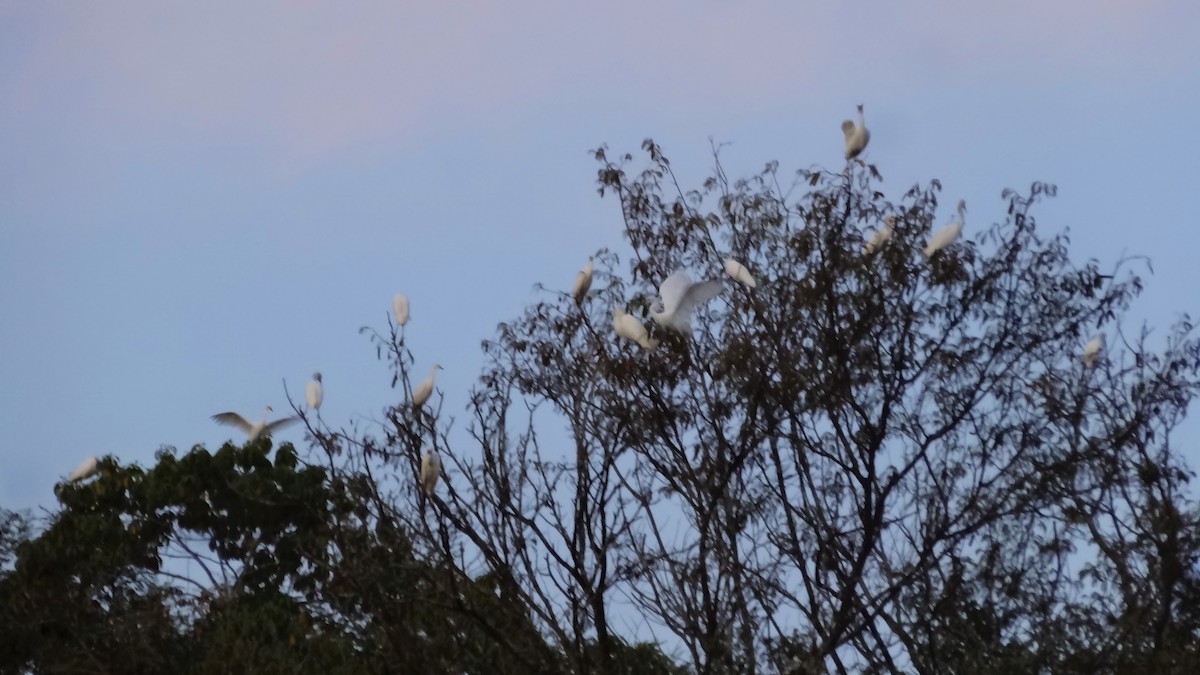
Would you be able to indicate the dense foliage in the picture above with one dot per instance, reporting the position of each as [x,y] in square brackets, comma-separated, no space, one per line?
[869,463]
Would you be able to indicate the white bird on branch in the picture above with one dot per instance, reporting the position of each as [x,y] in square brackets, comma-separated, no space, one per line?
[1093,349]
[253,429]
[87,467]
[856,135]
[583,282]
[948,234]
[738,272]
[400,308]
[313,393]
[679,296]
[631,329]
[424,388]
[880,236]
[431,469]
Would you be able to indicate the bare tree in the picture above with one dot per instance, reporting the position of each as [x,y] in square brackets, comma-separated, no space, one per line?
[872,462]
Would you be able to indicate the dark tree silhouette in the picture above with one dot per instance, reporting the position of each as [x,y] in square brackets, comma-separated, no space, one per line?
[872,462]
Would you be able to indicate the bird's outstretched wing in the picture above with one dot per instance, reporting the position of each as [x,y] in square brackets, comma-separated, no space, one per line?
[673,290]
[283,421]
[697,295]
[232,419]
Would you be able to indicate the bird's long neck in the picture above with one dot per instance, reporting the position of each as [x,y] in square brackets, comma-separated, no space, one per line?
[266,411]
[861,123]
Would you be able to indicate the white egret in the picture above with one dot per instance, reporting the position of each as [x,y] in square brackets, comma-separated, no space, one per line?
[880,236]
[86,468]
[253,429]
[679,296]
[313,393]
[856,135]
[738,272]
[400,308]
[949,232]
[424,388]
[583,282]
[431,469]
[631,329]
[1093,349]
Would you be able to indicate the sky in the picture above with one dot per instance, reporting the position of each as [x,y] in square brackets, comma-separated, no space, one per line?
[200,201]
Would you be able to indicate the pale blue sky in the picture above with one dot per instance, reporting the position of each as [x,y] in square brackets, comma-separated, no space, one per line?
[197,202]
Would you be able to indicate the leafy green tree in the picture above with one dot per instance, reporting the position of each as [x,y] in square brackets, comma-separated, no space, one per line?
[235,562]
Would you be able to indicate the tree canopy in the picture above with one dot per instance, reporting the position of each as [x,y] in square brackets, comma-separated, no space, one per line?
[873,461]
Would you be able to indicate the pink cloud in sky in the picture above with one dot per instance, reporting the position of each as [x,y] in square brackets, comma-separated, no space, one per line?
[301,80]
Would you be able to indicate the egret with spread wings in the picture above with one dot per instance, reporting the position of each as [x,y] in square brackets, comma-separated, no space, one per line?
[679,296]
[253,429]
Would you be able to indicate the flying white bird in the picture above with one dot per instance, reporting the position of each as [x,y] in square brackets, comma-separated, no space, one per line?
[424,388]
[880,236]
[583,282]
[86,468]
[1092,350]
[738,272]
[400,308]
[948,234]
[631,329]
[253,430]
[679,296]
[856,135]
[313,394]
[431,468]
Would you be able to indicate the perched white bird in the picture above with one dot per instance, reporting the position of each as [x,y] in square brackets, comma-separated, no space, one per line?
[424,388]
[679,296]
[880,236]
[255,429]
[631,329]
[400,308]
[856,135]
[313,393]
[431,468]
[738,272]
[948,234]
[86,468]
[1092,350]
[583,282]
